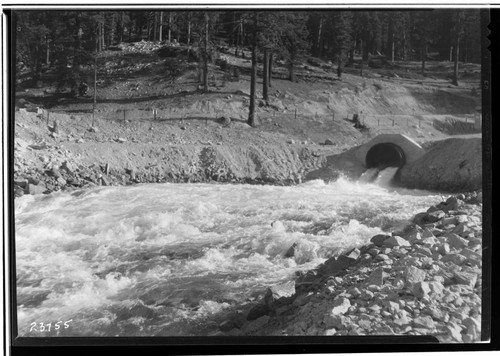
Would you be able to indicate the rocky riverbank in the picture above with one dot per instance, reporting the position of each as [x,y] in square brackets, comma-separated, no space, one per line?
[423,280]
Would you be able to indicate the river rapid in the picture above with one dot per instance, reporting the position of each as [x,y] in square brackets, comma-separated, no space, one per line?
[176,259]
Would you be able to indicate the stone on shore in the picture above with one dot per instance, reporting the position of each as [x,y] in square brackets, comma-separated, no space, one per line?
[378,240]
[414,275]
[279,295]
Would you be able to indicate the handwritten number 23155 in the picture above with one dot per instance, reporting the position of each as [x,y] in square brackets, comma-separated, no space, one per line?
[48,326]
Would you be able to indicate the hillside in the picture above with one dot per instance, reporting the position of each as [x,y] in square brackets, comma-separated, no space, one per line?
[197,136]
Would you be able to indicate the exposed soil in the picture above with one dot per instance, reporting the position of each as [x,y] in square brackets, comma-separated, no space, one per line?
[197,136]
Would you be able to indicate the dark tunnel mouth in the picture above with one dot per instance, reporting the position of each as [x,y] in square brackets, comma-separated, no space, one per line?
[383,155]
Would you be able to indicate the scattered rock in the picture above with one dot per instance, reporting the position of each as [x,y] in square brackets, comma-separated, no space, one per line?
[340,306]
[257,311]
[466,278]
[414,275]
[424,322]
[36,189]
[377,277]
[335,265]
[291,251]
[421,290]
[378,240]
[456,241]
[279,295]
[394,241]
[256,324]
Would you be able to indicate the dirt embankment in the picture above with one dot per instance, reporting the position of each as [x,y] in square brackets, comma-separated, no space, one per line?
[454,164]
[302,126]
[72,155]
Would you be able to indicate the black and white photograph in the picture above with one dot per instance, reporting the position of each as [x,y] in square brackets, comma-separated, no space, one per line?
[241,172]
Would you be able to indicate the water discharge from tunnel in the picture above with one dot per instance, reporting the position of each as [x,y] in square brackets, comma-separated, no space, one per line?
[379,177]
[174,259]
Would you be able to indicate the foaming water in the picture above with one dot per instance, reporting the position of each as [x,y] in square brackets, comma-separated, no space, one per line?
[385,176]
[169,259]
[369,175]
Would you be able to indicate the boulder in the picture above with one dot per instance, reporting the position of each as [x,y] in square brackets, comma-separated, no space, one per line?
[473,328]
[279,295]
[340,306]
[465,278]
[455,258]
[421,289]
[424,322]
[394,241]
[462,229]
[69,167]
[291,251]
[454,331]
[456,241]
[336,321]
[378,240]
[36,189]
[256,324]
[335,265]
[473,257]
[257,311]
[436,287]
[443,249]
[377,277]
[413,275]
[354,253]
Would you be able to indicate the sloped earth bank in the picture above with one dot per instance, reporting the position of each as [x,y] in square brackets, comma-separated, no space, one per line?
[118,153]
[454,164]
[423,280]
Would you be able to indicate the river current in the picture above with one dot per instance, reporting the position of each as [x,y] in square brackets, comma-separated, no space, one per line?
[173,259]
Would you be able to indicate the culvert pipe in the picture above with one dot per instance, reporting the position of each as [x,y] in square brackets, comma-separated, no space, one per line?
[386,154]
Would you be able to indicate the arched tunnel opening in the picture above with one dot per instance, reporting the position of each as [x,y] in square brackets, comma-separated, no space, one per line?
[383,155]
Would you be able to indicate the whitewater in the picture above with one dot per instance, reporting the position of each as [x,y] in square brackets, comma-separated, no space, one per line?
[176,259]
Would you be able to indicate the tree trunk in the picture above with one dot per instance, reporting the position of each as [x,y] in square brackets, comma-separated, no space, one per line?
[265,76]
[424,55]
[392,49]
[47,51]
[205,55]
[102,32]
[155,26]
[122,27]
[99,37]
[455,65]
[161,26]
[319,49]
[189,33]
[169,27]
[253,80]
[451,53]
[270,70]
[362,57]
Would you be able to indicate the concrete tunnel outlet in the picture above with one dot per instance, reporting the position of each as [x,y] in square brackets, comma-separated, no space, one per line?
[384,155]
[389,150]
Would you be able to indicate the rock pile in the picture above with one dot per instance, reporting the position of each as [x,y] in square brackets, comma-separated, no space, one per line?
[424,280]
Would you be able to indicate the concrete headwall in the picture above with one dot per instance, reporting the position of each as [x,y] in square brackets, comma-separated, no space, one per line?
[411,149]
